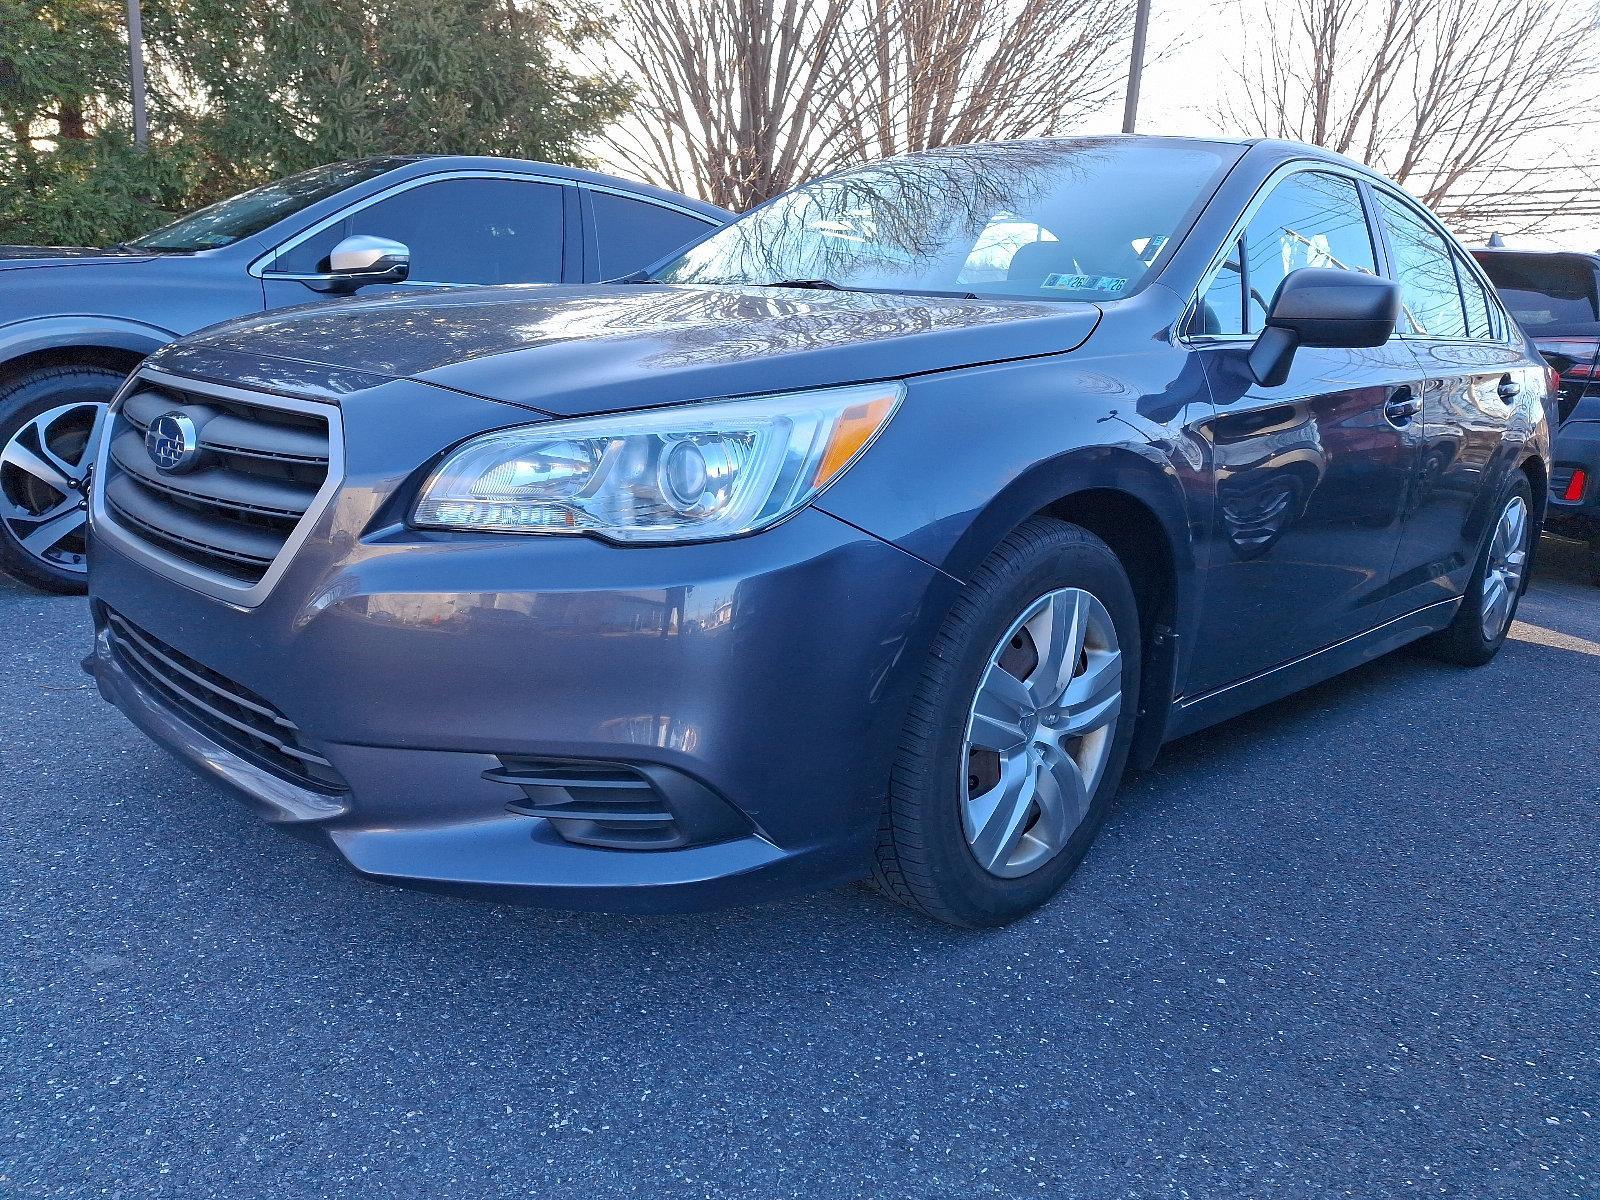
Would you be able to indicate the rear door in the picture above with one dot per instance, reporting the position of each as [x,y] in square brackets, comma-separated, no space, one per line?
[1475,373]
[1311,476]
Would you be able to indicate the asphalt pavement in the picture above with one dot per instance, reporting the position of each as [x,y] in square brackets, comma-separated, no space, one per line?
[1346,946]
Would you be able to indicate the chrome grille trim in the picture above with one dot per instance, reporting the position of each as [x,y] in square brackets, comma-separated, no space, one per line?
[160,520]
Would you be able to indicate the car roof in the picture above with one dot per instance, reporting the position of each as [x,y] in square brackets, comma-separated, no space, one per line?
[488,162]
[1573,256]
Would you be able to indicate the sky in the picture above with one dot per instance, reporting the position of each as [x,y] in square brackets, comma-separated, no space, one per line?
[1183,83]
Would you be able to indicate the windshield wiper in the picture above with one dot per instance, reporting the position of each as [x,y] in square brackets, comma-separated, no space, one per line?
[828,285]
[815,285]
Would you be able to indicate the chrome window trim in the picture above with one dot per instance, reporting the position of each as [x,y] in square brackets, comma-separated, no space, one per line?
[1200,341]
[210,583]
[658,202]
[259,266]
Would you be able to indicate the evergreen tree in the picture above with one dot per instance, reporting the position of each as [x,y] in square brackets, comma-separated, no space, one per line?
[242,91]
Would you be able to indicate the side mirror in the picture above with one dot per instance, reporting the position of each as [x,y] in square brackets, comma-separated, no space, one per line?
[1321,306]
[364,259]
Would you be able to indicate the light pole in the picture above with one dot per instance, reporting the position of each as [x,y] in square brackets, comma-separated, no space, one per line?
[1141,27]
[141,123]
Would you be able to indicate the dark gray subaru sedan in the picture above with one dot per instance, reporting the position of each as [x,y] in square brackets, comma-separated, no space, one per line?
[876,533]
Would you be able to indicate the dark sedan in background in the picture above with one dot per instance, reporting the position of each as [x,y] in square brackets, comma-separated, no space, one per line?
[875,533]
[73,322]
[1555,296]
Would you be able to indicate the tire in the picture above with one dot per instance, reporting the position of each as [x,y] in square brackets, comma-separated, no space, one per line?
[1466,641]
[1594,560]
[932,833]
[46,418]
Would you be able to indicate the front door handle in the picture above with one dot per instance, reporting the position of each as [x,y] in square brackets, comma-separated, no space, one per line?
[1402,406]
[1509,389]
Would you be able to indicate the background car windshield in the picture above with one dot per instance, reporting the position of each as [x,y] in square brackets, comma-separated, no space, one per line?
[1080,220]
[226,221]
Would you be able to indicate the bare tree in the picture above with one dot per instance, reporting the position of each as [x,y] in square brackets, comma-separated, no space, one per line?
[1442,95]
[738,100]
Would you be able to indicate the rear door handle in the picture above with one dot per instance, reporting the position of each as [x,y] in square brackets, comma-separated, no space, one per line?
[1402,406]
[1509,389]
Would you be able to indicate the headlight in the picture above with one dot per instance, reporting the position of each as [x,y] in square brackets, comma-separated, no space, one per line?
[683,474]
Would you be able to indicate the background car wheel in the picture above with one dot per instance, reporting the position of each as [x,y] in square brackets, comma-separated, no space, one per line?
[1594,561]
[1018,733]
[1498,581]
[46,419]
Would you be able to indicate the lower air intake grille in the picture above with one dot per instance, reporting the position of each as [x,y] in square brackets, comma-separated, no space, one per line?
[235,716]
[619,806]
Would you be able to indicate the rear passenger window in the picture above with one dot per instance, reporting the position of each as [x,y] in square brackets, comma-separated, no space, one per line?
[1426,272]
[1310,219]
[632,234]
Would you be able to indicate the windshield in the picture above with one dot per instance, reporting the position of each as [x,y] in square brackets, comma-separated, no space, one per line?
[1061,220]
[226,221]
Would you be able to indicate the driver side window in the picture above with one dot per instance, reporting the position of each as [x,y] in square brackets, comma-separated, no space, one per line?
[1310,219]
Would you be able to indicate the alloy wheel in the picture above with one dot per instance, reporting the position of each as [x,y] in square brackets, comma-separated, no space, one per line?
[1502,576]
[44,485]
[1039,732]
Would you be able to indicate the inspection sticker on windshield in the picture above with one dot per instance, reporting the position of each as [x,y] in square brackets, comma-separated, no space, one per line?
[1084,283]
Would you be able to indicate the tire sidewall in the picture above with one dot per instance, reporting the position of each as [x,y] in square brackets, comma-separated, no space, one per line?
[20,403]
[1472,601]
[973,895]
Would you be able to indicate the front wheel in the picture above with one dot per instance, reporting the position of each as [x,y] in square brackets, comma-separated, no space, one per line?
[1019,731]
[47,419]
[1489,604]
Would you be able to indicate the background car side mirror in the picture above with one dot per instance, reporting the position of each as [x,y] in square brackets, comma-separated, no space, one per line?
[364,259]
[1322,306]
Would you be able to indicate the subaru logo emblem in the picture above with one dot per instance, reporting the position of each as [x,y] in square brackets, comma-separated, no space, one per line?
[173,443]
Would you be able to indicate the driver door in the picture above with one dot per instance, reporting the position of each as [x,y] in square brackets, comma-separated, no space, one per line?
[1311,477]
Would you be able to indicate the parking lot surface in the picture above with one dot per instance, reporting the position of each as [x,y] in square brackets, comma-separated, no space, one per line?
[1346,946]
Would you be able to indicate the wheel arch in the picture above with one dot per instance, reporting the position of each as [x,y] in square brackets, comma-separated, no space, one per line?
[62,341]
[1130,496]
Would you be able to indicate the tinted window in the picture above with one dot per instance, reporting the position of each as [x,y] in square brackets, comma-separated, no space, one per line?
[632,234]
[1308,220]
[1545,292]
[959,219]
[227,221]
[459,231]
[1480,324]
[1425,271]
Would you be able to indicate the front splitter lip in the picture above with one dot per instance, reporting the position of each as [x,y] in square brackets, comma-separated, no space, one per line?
[500,856]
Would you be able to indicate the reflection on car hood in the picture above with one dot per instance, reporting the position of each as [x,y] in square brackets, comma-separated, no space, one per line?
[13,257]
[603,348]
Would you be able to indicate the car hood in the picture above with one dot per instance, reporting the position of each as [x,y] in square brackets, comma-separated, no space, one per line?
[13,257]
[604,348]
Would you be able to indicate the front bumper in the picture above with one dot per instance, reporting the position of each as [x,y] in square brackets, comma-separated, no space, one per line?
[773,671]
[1577,448]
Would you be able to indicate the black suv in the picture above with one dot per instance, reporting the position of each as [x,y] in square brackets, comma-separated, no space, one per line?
[1555,297]
[73,321]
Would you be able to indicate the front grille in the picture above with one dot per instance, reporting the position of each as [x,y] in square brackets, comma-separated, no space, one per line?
[618,806]
[234,715]
[258,468]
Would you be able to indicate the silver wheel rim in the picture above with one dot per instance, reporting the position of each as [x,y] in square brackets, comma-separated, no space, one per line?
[1039,732]
[44,485]
[1502,575]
